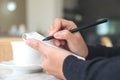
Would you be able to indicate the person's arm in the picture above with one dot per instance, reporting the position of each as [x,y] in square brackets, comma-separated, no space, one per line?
[96,69]
[102,51]
[67,43]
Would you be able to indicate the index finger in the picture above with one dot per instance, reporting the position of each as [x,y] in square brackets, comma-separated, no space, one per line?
[60,24]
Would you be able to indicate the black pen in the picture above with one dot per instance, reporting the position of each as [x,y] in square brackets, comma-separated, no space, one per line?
[80,28]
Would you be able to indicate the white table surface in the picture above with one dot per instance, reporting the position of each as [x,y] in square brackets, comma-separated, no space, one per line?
[7,73]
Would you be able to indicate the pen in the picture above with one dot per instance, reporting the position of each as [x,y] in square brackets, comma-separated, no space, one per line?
[80,28]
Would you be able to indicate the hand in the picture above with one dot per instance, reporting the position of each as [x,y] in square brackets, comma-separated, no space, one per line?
[67,40]
[52,57]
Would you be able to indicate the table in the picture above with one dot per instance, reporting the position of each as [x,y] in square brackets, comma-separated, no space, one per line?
[7,73]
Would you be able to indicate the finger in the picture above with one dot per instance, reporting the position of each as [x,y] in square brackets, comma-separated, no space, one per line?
[57,42]
[61,24]
[63,42]
[65,34]
[56,26]
[36,44]
[64,24]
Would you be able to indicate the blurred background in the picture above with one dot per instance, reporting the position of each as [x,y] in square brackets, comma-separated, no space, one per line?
[20,16]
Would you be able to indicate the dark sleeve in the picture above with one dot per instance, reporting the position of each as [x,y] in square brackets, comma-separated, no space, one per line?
[102,51]
[96,69]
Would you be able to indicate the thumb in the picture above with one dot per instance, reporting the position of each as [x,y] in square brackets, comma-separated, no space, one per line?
[36,44]
[64,34]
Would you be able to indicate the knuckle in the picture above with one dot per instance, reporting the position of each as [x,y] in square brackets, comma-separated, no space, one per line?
[43,65]
[71,22]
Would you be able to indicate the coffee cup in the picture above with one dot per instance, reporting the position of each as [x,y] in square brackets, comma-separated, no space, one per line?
[23,55]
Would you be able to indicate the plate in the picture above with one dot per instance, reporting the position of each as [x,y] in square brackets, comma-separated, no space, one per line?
[25,68]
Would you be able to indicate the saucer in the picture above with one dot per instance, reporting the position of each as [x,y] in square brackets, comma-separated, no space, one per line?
[25,68]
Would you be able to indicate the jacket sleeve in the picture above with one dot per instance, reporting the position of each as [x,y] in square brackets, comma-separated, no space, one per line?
[95,69]
[102,51]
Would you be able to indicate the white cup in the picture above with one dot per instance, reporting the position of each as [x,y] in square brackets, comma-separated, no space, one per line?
[24,55]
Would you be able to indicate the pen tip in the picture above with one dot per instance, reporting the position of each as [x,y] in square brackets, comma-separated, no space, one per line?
[44,39]
[48,38]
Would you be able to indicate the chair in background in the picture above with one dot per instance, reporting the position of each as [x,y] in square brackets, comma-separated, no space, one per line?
[6,48]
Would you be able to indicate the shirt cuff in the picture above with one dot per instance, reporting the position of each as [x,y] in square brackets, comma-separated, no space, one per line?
[79,57]
[72,67]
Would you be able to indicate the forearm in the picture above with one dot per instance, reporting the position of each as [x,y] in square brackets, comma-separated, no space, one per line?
[97,69]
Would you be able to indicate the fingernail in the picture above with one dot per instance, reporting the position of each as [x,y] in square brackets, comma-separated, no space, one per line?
[51,33]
